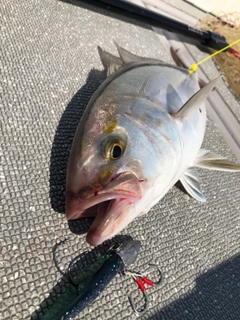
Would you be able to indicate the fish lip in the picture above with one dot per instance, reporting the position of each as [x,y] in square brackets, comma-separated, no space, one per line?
[108,225]
[124,185]
[81,206]
[110,204]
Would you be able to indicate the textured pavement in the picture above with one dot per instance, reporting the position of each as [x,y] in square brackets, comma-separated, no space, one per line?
[49,69]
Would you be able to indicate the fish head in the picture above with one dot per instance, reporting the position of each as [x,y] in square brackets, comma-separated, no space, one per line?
[111,165]
[104,179]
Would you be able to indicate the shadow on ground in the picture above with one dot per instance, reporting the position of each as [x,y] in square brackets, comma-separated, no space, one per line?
[62,144]
[215,297]
[64,137]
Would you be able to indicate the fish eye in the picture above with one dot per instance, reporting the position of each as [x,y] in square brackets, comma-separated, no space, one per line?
[113,149]
[116,152]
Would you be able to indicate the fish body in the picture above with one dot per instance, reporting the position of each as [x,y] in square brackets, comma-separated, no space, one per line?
[141,132]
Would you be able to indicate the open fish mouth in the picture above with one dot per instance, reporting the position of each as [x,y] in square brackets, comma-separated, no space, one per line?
[109,206]
[96,206]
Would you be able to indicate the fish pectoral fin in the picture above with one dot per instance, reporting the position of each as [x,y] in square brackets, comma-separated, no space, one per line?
[209,160]
[195,101]
[128,57]
[191,183]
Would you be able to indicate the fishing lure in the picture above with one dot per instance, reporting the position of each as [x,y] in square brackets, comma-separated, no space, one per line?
[87,285]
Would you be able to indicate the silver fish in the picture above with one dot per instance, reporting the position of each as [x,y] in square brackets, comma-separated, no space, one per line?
[141,132]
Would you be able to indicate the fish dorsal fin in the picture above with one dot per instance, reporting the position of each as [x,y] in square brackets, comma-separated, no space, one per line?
[209,160]
[191,183]
[195,101]
[128,57]
[109,61]
[113,67]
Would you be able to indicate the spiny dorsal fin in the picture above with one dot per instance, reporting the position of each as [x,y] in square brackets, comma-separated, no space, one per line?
[128,57]
[195,101]
[209,160]
[113,67]
[191,183]
[109,61]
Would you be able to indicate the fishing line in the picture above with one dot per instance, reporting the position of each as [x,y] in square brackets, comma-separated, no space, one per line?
[193,68]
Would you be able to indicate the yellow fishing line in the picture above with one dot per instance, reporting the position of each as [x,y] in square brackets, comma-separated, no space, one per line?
[193,68]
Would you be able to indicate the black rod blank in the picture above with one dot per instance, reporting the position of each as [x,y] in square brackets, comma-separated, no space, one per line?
[127,9]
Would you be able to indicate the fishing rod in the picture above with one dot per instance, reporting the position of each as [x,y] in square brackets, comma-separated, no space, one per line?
[208,38]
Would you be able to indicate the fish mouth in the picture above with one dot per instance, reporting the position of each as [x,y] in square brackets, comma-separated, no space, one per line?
[111,207]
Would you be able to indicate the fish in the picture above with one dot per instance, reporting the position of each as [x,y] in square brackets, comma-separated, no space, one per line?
[141,133]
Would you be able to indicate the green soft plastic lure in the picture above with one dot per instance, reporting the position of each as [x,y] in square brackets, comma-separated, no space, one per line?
[86,286]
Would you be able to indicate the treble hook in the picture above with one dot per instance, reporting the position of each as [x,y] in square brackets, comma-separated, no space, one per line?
[140,281]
